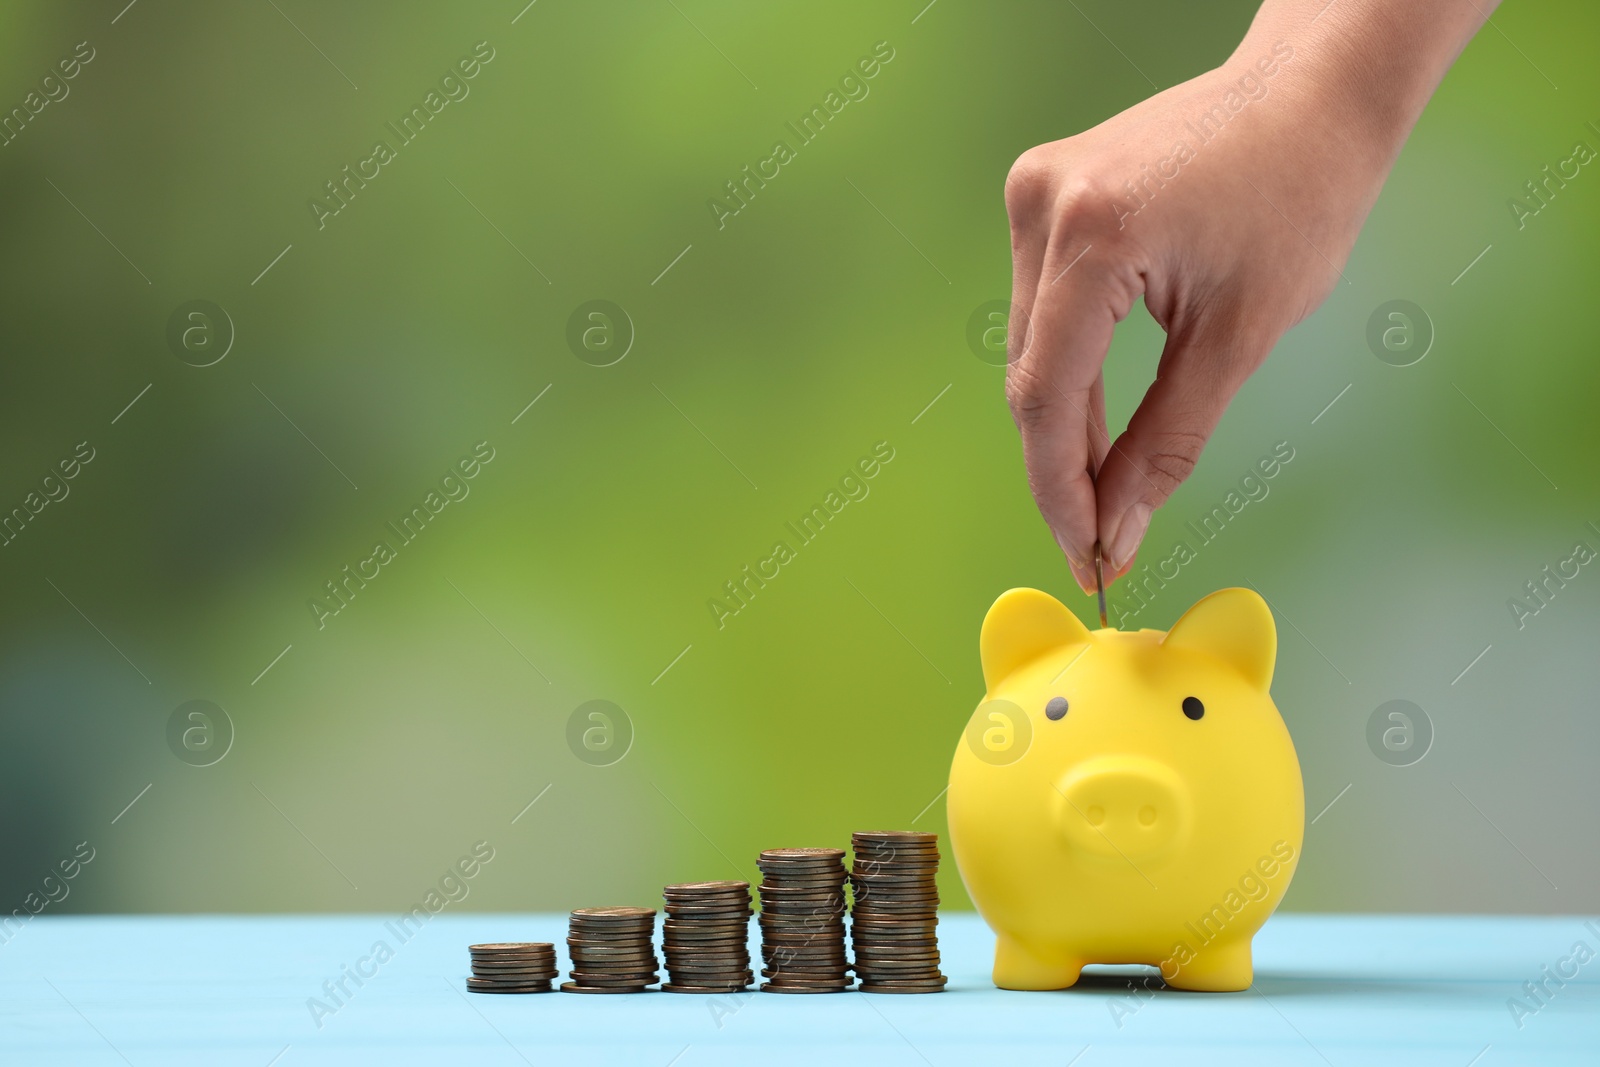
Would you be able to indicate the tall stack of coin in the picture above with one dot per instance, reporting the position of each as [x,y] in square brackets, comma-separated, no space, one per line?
[705,937]
[512,967]
[612,950]
[895,912]
[802,921]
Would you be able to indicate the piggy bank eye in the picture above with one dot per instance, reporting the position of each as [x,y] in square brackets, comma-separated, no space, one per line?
[1193,708]
[1056,709]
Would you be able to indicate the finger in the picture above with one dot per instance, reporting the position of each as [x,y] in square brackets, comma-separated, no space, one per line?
[1099,436]
[1030,233]
[1099,447]
[1195,381]
[1057,396]
[1028,191]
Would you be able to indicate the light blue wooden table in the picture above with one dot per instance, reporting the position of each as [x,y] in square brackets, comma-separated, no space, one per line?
[219,991]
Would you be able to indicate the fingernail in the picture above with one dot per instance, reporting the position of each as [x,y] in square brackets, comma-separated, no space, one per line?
[1084,576]
[1135,521]
[1082,571]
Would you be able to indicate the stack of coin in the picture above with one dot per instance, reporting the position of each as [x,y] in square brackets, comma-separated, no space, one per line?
[512,967]
[612,950]
[705,937]
[802,921]
[895,912]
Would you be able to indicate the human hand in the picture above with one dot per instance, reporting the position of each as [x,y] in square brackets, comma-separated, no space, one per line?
[1230,203]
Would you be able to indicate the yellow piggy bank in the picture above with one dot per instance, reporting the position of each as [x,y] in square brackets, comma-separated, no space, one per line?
[1126,797]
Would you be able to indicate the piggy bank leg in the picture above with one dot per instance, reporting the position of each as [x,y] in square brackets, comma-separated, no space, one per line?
[1220,967]
[1018,967]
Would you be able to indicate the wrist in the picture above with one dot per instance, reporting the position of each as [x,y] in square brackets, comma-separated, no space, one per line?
[1362,70]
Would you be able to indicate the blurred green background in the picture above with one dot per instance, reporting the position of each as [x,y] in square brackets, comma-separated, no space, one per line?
[767,357]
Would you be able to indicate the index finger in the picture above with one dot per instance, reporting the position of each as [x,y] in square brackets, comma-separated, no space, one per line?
[1057,394]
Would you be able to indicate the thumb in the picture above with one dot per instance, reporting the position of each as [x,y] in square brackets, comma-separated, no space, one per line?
[1156,453]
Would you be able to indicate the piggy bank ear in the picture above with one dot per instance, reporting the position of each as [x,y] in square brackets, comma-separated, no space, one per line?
[1021,626]
[1234,626]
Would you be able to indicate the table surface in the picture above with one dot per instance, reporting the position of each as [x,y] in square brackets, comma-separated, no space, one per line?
[222,990]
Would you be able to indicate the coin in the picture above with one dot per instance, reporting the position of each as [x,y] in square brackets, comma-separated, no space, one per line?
[1100,582]
[897,915]
[927,837]
[614,913]
[705,937]
[696,888]
[907,946]
[639,961]
[895,863]
[543,971]
[803,905]
[783,854]
[925,905]
[819,875]
[715,915]
[478,985]
[894,910]
[511,957]
[612,950]
[739,900]
[898,901]
[734,961]
[512,967]
[791,915]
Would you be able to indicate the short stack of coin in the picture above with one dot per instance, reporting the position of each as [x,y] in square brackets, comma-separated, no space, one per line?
[512,967]
[705,937]
[802,921]
[895,912]
[612,950]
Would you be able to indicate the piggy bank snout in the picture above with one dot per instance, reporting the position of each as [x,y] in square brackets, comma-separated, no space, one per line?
[1122,806]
